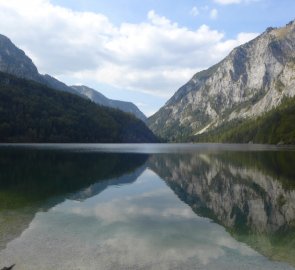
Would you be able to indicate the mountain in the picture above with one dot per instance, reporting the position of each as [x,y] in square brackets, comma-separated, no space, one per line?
[276,126]
[100,99]
[33,112]
[242,191]
[15,62]
[66,175]
[100,186]
[252,80]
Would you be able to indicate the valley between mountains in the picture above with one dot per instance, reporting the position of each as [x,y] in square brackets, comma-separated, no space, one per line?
[247,97]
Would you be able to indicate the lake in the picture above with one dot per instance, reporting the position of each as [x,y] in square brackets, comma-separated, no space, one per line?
[147,206]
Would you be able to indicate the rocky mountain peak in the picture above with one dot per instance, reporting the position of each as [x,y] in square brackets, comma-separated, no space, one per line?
[252,79]
[14,61]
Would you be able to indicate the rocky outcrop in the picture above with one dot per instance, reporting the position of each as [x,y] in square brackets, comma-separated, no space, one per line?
[100,99]
[251,80]
[14,61]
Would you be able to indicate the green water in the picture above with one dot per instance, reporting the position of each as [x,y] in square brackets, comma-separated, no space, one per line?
[147,207]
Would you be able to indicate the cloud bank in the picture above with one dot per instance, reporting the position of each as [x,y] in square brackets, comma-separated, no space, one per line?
[155,56]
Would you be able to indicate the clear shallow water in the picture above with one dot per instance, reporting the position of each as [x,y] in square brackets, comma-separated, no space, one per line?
[147,207]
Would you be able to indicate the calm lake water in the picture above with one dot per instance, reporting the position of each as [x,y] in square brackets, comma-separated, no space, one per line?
[207,206]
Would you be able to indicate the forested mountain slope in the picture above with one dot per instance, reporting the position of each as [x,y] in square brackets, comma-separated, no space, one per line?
[32,112]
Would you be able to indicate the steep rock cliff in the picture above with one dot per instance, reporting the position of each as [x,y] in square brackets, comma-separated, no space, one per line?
[251,80]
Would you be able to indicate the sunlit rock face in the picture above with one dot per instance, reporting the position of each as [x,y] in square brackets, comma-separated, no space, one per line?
[251,80]
[255,203]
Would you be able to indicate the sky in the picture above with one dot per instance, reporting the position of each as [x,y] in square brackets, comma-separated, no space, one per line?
[135,50]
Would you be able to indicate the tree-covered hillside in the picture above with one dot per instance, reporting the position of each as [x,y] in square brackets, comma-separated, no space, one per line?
[32,112]
[274,127]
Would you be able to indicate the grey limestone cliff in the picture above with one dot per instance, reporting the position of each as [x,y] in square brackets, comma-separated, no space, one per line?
[251,80]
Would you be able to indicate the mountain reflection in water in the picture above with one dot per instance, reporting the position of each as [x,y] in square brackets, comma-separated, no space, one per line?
[250,193]
[36,180]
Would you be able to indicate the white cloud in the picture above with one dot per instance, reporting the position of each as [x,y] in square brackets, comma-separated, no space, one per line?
[226,46]
[155,56]
[194,11]
[214,13]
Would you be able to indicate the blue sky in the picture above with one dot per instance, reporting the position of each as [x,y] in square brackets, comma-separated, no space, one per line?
[246,16]
[139,51]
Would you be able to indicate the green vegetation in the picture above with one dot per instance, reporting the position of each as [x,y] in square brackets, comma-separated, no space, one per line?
[32,112]
[274,127]
[205,74]
[277,164]
[44,174]
[45,178]
[206,176]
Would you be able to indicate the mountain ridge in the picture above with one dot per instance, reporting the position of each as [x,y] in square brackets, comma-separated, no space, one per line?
[31,112]
[100,99]
[14,61]
[252,79]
